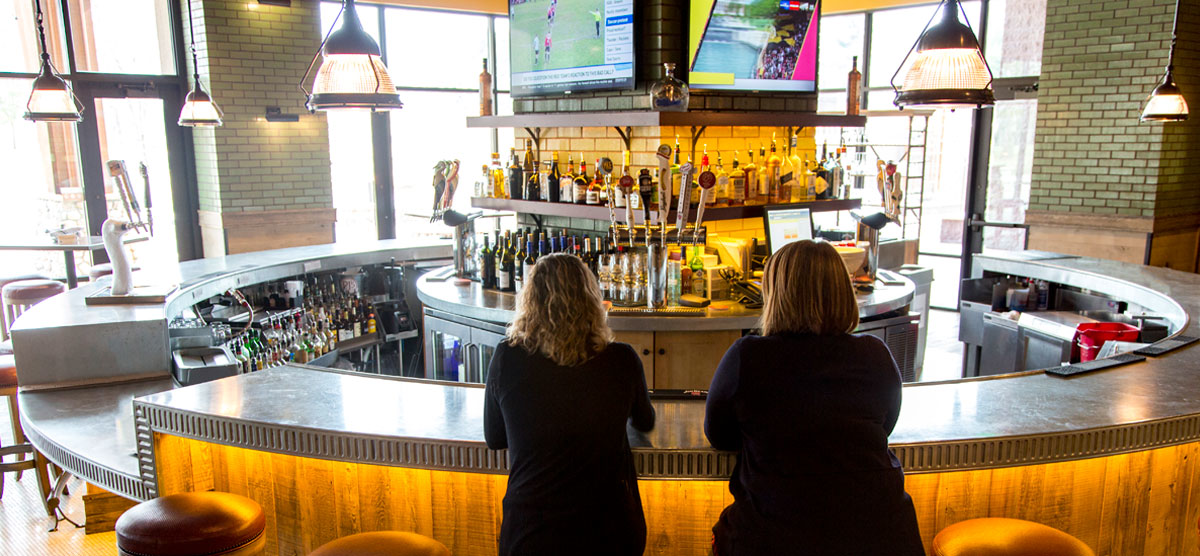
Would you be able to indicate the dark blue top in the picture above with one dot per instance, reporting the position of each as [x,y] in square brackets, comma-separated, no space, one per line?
[572,487]
[809,417]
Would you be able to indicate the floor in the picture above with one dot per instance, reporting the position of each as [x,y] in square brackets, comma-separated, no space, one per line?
[24,527]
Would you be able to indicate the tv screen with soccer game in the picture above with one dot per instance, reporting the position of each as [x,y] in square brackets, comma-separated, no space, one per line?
[562,46]
[753,45]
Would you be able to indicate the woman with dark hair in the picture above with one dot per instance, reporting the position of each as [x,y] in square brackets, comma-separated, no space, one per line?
[559,393]
[809,406]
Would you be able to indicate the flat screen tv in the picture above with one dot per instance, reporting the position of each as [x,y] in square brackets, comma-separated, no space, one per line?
[562,46]
[753,45]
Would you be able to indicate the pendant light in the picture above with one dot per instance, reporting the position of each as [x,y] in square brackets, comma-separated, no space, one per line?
[51,99]
[948,70]
[199,110]
[352,74]
[1166,102]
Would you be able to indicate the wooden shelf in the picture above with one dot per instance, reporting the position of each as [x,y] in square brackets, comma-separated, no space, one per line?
[649,118]
[601,213]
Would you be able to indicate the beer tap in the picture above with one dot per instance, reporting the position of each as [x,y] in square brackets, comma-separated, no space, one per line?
[685,193]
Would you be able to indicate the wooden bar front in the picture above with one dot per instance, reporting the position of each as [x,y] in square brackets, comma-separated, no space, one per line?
[1108,502]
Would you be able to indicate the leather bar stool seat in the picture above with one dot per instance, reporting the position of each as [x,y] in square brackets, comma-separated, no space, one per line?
[31,292]
[6,279]
[1000,536]
[382,543]
[8,372]
[192,524]
[101,270]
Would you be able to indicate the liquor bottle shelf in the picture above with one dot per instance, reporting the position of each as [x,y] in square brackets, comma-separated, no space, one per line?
[602,213]
[648,118]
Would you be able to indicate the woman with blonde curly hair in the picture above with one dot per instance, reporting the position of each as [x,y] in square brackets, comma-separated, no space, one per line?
[808,406]
[559,393]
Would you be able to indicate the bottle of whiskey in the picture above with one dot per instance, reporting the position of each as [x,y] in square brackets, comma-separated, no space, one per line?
[582,184]
[751,194]
[594,189]
[737,184]
[553,182]
[486,106]
[516,177]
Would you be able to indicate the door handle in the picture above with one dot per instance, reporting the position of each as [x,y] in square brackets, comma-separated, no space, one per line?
[662,351]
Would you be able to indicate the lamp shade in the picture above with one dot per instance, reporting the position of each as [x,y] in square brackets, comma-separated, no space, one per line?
[1166,102]
[52,100]
[352,74]
[199,110]
[947,69]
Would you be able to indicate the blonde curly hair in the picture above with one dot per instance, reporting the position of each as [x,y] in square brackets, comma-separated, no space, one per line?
[560,313]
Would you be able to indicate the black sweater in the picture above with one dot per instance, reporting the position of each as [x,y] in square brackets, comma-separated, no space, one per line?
[572,488]
[809,417]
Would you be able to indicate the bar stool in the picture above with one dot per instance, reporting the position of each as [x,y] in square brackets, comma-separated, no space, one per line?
[193,524]
[6,347]
[101,270]
[1001,536]
[382,543]
[19,296]
[20,447]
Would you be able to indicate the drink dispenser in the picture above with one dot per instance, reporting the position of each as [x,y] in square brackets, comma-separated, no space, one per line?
[868,232]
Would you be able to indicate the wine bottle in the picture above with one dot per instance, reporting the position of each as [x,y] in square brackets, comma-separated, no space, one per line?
[486,106]
[552,182]
[582,184]
[516,177]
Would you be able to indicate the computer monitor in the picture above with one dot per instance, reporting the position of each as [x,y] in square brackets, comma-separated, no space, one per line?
[786,224]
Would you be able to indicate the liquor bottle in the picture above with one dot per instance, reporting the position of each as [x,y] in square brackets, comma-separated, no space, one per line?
[853,89]
[604,271]
[722,198]
[543,245]
[528,261]
[489,185]
[821,174]
[645,186]
[774,166]
[487,265]
[796,165]
[543,179]
[764,177]
[529,168]
[593,193]
[498,177]
[518,269]
[582,183]
[697,266]
[751,193]
[566,182]
[516,177]
[485,92]
[553,182]
[685,271]
[787,177]
[737,184]
[507,259]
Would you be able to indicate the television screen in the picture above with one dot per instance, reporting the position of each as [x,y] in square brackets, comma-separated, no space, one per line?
[757,45]
[560,46]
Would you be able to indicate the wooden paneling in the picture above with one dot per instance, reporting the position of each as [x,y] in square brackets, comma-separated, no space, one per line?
[243,232]
[1175,249]
[687,360]
[643,343]
[1144,503]
[101,509]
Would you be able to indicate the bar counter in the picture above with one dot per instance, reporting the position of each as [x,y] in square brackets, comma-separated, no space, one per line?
[1106,456]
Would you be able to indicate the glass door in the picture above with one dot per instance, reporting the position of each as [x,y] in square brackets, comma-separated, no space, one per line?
[134,130]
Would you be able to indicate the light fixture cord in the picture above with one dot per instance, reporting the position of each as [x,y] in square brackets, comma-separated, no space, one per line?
[1174,39]
[192,32]
[41,31]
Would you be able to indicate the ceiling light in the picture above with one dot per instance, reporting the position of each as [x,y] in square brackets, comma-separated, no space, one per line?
[51,99]
[352,74]
[948,70]
[1166,102]
[199,110]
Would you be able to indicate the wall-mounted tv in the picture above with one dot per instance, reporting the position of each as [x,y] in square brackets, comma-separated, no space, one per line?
[562,46]
[754,45]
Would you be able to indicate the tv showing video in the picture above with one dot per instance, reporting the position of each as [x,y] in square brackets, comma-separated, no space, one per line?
[755,45]
[562,46]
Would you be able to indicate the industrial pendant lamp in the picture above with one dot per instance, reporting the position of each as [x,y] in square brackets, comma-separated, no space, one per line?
[948,70]
[52,99]
[1166,102]
[199,110]
[352,74]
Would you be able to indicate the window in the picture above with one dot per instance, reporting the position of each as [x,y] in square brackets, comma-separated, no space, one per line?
[105,41]
[434,58]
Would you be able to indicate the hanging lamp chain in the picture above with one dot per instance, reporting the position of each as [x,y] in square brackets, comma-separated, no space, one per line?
[192,33]
[42,31]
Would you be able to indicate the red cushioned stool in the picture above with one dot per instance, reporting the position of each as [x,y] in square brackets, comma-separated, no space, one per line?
[193,524]
[20,448]
[4,281]
[1001,536]
[383,543]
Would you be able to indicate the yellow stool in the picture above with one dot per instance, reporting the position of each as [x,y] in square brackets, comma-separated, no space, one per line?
[1001,536]
[382,543]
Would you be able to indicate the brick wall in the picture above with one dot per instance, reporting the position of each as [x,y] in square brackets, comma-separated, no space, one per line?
[1099,173]
[252,56]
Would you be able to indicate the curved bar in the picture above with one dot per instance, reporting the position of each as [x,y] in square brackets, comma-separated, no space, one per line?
[474,302]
